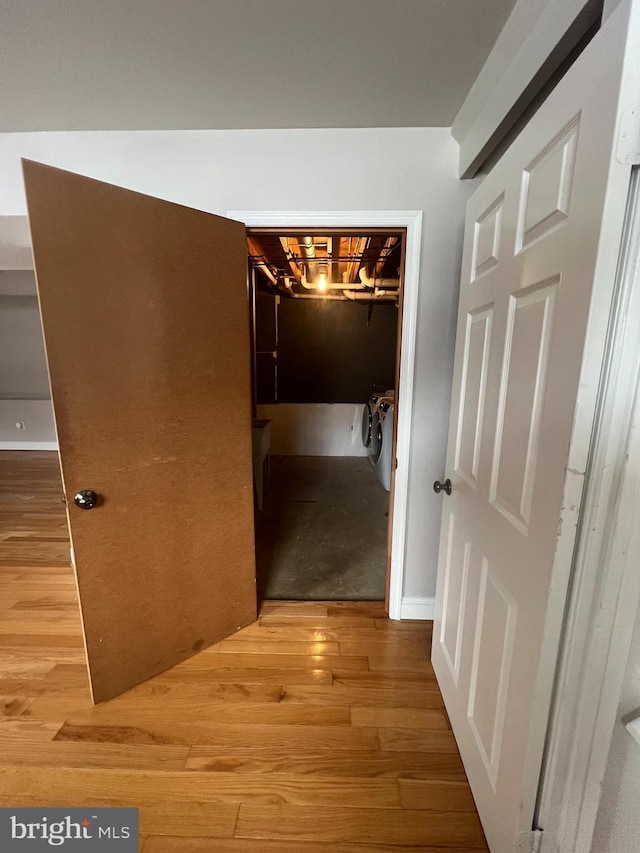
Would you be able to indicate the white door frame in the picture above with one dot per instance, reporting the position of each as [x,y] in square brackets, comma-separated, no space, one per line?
[411,220]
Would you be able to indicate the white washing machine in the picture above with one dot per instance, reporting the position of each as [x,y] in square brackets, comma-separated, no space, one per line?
[382,441]
[368,412]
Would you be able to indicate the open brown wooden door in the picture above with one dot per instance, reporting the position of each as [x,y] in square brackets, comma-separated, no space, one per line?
[146,322]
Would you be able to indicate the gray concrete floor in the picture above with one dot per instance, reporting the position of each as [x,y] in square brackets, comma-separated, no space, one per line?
[322,534]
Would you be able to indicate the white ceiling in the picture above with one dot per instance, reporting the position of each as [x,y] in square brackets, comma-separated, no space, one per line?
[167,64]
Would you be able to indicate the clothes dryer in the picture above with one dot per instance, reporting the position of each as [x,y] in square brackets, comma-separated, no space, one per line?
[381,449]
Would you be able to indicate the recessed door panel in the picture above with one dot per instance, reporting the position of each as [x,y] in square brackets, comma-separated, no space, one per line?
[546,187]
[473,385]
[522,395]
[455,597]
[492,656]
[486,240]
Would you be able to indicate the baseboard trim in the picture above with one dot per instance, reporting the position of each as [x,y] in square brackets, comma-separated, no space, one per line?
[417,608]
[28,445]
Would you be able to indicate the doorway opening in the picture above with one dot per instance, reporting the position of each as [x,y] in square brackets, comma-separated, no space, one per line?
[326,311]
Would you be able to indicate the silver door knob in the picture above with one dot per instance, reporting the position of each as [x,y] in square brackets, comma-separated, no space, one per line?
[442,487]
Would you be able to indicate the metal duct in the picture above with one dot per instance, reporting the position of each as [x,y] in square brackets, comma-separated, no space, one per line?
[308,250]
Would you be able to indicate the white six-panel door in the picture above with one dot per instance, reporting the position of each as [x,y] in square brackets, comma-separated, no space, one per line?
[542,235]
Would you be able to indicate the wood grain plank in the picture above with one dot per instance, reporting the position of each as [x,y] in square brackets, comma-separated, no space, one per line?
[421,740]
[59,602]
[185,691]
[223,736]
[34,518]
[41,644]
[39,754]
[49,630]
[372,609]
[209,660]
[322,762]
[150,786]
[334,630]
[387,680]
[415,695]
[436,796]
[292,608]
[386,826]
[392,647]
[50,653]
[181,696]
[399,665]
[406,625]
[285,631]
[415,718]
[19,668]
[252,675]
[319,623]
[20,727]
[268,646]
[141,711]
[34,620]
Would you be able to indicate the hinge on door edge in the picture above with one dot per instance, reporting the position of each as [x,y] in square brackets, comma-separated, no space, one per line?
[628,148]
[529,842]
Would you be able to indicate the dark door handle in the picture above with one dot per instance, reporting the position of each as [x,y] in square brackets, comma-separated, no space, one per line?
[442,487]
[86,499]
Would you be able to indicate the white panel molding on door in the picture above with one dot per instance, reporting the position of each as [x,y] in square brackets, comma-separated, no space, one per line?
[400,607]
[546,188]
[486,239]
[542,236]
[492,654]
[522,385]
[473,384]
[454,598]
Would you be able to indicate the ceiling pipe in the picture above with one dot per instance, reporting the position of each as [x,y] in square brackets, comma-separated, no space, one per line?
[317,296]
[330,285]
[265,269]
[308,250]
[359,296]
[345,297]
[382,283]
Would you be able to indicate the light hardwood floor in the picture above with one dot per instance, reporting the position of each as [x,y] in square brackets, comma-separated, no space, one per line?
[319,729]
[34,522]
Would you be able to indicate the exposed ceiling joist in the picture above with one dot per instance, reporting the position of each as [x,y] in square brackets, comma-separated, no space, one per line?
[344,266]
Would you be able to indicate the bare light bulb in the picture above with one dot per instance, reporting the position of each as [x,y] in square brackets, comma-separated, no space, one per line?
[322,282]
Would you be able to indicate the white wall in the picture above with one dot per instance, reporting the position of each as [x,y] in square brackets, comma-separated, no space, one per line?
[23,371]
[609,7]
[15,249]
[618,824]
[26,418]
[315,429]
[356,169]
[27,425]
[522,51]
